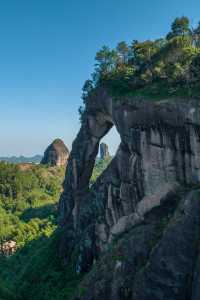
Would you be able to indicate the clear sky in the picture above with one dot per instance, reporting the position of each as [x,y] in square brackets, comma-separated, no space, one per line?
[47,50]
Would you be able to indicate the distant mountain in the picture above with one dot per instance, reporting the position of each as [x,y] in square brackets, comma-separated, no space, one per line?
[22,159]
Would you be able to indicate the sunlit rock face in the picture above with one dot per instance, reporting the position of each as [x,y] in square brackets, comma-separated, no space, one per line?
[158,157]
[56,154]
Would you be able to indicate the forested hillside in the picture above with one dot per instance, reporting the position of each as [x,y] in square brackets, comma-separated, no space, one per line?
[29,197]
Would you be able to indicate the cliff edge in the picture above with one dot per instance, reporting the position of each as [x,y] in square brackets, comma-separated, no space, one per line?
[139,223]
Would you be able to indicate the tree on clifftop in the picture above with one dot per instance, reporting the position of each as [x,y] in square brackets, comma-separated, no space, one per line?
[123,51]
[106,60]
[196,35]
[180,27]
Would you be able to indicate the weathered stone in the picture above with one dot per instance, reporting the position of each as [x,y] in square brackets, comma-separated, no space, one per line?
[104,152]
[158,155]
[131,252]
[56,154]
[8,248]
[169,272]
[196,281]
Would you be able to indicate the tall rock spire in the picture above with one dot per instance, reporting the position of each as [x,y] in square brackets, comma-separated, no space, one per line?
[104,151]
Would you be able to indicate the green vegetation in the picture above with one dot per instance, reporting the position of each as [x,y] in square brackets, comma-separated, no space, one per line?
[28,196]
[22,159]
[28,215]
[100,166]
[162,68]
[36,272]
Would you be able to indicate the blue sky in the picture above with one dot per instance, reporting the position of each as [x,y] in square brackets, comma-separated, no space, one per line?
[47,50]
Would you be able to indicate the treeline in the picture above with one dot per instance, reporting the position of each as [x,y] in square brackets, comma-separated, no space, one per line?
[172,61]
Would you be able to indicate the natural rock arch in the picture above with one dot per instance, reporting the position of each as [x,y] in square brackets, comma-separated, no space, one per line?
[159,151]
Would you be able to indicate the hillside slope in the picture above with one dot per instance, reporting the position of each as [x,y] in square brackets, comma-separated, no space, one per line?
[28,215]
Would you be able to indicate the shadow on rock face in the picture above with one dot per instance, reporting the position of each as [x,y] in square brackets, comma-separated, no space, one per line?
[159,152]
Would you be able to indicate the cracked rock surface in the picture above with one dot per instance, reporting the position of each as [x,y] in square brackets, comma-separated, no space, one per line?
[138,208]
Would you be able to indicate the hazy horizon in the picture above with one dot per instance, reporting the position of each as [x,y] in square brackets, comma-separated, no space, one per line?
[47,52]
[113,134]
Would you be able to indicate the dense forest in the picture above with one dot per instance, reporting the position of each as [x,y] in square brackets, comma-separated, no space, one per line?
[29,197]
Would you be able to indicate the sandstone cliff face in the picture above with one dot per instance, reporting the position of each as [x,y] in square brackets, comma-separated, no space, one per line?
[56,154]
[138,195]
[104,151]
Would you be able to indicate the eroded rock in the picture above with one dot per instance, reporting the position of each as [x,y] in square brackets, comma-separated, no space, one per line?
[56,154]
[104,151]
[159,154]
[8,248]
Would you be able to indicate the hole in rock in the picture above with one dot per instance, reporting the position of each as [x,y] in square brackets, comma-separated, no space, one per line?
[112,140]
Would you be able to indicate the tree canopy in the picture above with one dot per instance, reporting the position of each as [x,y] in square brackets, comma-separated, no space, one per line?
[180,27]
[169,63]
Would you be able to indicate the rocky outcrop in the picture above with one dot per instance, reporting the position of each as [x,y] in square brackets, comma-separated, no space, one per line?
[159,155]
[56,154]
[104,151]
[8,248]
[155,260]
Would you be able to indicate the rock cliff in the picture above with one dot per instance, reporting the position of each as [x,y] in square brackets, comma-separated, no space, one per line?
[104,151]
[56,154]
[139,223]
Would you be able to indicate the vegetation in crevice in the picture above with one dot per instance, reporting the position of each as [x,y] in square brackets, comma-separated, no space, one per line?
[100,166]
